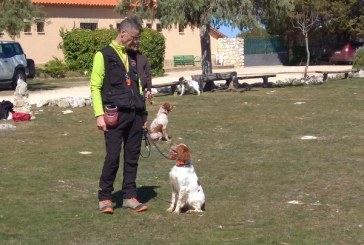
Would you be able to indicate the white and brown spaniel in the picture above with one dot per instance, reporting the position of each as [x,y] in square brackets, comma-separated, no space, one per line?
[158,127]
[187,192]
[188,85]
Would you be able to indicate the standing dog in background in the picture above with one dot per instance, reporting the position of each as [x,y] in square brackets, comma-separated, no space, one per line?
[188,85]
[158,127]
[187,192]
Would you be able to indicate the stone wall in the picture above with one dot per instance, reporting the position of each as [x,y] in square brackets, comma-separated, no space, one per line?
[230,51]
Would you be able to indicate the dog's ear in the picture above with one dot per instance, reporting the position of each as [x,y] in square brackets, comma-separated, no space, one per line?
[181,79]
[167,106]
[184,153]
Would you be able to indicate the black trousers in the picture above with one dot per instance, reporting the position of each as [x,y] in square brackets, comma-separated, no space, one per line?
[128,133]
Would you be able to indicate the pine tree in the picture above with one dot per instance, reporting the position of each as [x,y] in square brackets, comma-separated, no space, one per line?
[14,13]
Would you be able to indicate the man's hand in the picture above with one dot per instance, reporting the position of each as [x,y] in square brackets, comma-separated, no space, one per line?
[100,122]
[149,97]
[145,124]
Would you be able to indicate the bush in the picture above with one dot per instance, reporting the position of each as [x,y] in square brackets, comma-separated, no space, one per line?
[55,68]
[358,62]
[153,45]
[79,47]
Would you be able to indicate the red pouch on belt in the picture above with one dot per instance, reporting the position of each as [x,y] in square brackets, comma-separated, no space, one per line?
[111,116]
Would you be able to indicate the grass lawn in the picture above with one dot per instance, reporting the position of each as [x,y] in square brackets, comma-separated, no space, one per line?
[246,148]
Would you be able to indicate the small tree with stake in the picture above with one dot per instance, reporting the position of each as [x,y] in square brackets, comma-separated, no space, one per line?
[304,18]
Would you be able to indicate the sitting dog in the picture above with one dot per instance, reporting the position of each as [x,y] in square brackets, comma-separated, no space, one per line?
[188,85]
[187,192]
[158,127]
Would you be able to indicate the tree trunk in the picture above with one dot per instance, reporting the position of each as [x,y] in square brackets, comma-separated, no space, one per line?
[205,49]
[308,54]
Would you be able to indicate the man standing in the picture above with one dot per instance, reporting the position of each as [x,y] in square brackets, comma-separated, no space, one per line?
[115,85]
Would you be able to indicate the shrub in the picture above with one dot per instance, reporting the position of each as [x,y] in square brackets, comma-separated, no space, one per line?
[79,46]
[55,68]
[358,62]
[153,45]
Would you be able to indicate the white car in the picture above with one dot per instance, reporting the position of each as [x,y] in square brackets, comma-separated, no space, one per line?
[14,64]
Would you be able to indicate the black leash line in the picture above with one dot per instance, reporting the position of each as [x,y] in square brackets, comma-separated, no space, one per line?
[148,145]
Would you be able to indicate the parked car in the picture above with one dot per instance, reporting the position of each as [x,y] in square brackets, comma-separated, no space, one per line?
[346,54]
[14,64]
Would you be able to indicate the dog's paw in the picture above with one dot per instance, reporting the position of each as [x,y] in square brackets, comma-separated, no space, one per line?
[170,209]
[176,211]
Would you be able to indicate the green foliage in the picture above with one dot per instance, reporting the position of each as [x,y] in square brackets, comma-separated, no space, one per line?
[274,14]
[343,17]
[298,55]
[257,32]
[14,12]
[152,45]
[55,68]
[79,46]
[358,62]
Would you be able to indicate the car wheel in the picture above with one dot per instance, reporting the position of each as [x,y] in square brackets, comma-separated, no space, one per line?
[31,67]
[19,74]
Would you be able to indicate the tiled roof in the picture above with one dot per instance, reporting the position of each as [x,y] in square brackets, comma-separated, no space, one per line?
[110,3]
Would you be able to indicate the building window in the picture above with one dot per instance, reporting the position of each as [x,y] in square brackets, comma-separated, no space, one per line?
[159,27]
[148,25]
[88,26]
[181,29]
[40,27]
[27,27]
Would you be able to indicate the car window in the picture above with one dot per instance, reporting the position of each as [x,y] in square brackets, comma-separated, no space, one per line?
[2,55]
[8,50]
[17,49]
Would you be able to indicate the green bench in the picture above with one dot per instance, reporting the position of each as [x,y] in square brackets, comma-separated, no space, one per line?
[185,60]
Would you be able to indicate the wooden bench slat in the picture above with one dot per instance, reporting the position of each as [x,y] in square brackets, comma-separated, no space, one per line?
[326,73]
[248,76]
[162,85]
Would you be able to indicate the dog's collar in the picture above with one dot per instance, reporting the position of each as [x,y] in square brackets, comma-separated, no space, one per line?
[183,164]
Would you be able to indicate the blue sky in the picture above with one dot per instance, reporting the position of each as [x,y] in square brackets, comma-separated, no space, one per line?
[228,31]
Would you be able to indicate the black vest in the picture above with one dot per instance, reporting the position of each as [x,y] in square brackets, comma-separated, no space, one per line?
[115,90]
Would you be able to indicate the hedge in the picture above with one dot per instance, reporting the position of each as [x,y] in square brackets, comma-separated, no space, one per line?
[79,47]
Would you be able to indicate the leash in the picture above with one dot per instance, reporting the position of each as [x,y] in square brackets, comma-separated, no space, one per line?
[148,145]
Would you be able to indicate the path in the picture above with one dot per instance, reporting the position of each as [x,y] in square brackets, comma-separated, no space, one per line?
[283,72]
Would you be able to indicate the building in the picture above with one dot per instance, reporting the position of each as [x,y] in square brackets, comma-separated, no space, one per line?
[41,40]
